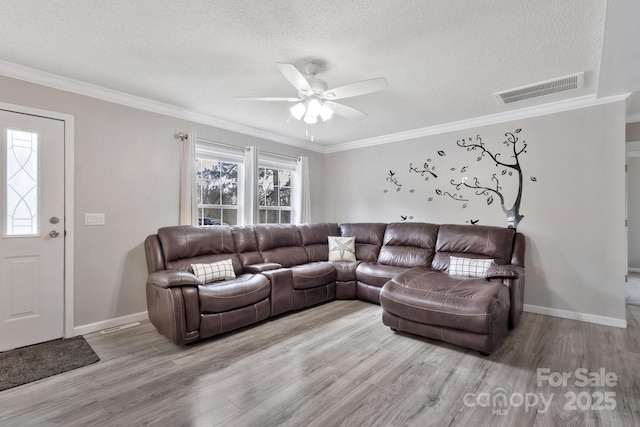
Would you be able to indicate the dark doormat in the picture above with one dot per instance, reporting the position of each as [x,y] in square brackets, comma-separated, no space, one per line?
[28,364]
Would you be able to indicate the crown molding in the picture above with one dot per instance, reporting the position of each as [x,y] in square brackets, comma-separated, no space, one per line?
[525,113]
[55,81]
[32,75]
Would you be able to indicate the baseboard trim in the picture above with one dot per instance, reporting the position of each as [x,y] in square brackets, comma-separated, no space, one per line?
[565,314]
[110,323]
[583,317]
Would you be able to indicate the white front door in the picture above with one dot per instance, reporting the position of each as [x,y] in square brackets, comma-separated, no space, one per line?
[32,229]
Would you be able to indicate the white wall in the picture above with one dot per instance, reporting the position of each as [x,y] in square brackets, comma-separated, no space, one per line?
[127,166]
[573,213]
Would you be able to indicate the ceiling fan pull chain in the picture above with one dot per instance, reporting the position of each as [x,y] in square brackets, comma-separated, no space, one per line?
[306,131]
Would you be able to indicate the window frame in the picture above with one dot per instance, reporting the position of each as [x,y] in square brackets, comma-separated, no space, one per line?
[249,160]
[279,163]
[210,151]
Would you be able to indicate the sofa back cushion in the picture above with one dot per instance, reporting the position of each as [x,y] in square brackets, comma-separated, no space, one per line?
[369,236]
[244,238]
[281,243]
[315,239]
[472,241]
[409,244]
[183,245]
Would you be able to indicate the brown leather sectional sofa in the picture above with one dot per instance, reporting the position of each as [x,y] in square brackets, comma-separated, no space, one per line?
[281,268]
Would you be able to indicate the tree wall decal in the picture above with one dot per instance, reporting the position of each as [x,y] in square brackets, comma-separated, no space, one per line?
[507,165]
[391,177]
[510,168]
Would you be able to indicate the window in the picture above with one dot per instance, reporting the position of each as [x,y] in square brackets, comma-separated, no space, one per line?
[218,182]
[217,192]
[274,195]
[236,185]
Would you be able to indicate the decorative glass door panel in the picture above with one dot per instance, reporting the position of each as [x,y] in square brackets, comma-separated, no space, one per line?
[21,183]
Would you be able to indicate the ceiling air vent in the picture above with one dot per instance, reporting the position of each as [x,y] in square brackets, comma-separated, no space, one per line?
[562,84]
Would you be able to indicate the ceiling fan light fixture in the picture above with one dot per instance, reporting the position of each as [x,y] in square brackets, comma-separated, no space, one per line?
[298,110]
[310,119]
[325,112]
[314,108]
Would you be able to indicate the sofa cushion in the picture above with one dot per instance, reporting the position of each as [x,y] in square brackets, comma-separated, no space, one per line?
[375,274]
[472,241]
[247,289]
[435,298]
[409,244]
[345,271]
[215,271]
[179,242]
[368,238]
[312,275]
[244,238]
[185,245]
[469,267]
[315,239]
[272,236]
[342,249]
[281,243]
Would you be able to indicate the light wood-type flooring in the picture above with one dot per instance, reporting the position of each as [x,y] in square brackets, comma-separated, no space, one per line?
[336,364]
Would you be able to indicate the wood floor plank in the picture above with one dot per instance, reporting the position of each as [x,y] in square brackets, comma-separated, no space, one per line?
[336,364]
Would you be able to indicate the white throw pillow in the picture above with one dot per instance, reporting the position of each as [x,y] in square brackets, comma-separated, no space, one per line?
[342,248]
[221,270]
[469,267]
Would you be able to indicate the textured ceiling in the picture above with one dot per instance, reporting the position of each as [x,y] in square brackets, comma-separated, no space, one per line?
[443,60]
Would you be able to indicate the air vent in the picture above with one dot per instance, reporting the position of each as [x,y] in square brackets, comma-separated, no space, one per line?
[562,84]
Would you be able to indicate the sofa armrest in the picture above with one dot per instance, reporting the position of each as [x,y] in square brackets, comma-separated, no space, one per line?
[174,311]
[172,278]
[504,272]
[281,290]
[259,268]
[512,276]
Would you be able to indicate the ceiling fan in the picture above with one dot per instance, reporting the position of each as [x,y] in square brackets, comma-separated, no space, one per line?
[315,100]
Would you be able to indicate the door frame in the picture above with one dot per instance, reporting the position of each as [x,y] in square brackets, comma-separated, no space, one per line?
[69,176]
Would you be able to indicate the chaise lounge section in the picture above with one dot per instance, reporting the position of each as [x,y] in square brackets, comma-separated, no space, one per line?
[470,311]
[282,268]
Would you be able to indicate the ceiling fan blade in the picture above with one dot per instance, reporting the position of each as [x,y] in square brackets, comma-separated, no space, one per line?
[346,111]
[357,89]
[295,77]
[267,98]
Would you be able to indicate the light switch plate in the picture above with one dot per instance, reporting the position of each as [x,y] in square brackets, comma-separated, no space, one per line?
[94,219]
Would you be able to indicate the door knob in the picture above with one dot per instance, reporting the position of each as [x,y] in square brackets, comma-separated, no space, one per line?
[54,233]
